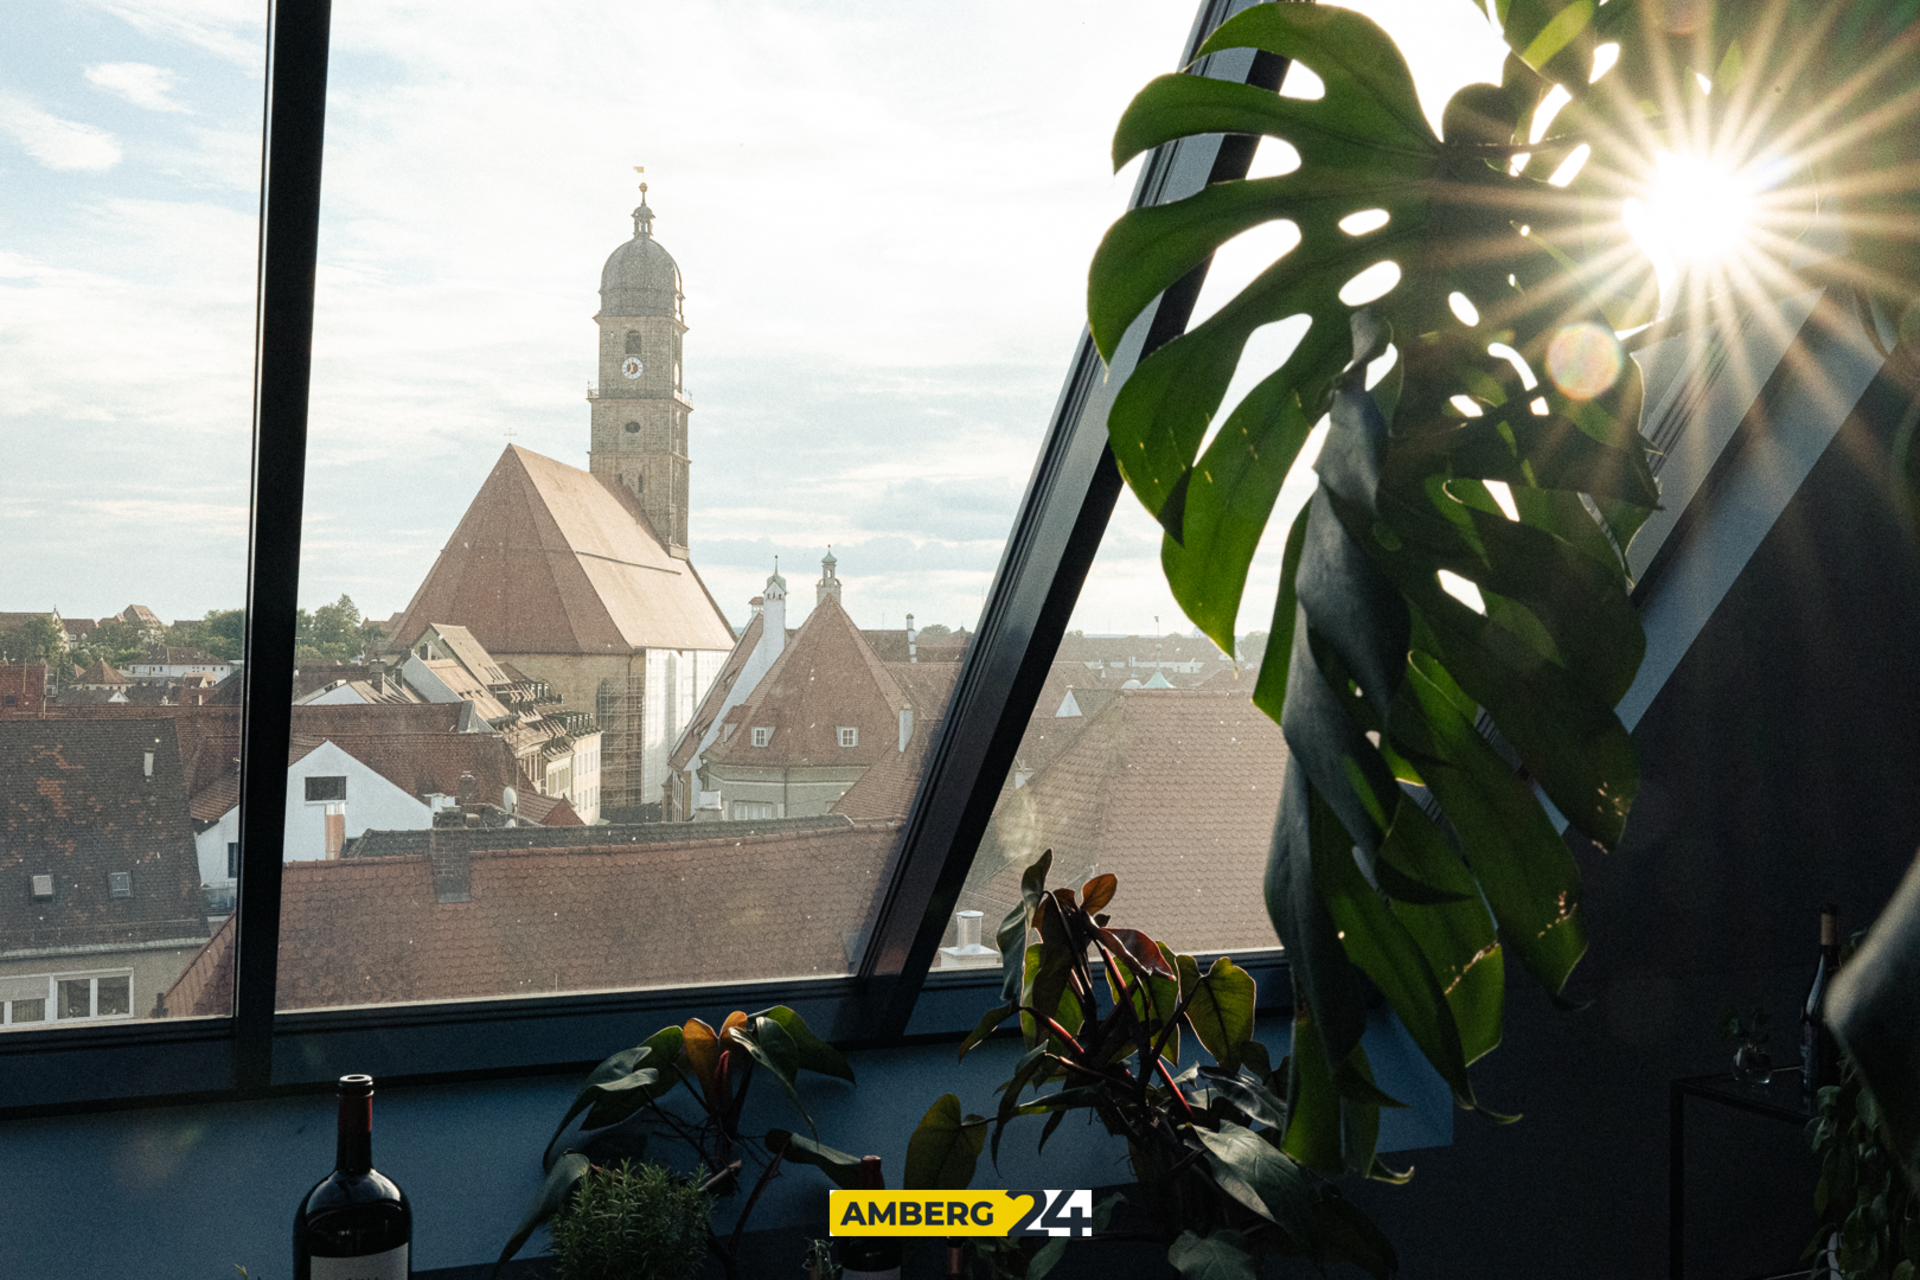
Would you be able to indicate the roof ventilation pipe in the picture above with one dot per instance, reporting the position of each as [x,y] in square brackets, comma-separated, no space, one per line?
[967,953]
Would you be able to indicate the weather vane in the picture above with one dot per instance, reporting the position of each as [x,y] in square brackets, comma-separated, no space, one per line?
[640,168]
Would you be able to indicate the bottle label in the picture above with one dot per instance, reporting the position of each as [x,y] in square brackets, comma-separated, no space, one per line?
[390,1265]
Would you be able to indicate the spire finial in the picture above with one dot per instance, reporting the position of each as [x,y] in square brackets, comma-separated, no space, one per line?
[643,216]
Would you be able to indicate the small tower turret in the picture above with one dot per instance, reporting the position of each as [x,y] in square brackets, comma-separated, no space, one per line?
[829,585]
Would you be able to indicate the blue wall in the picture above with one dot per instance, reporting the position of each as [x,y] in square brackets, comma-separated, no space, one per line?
[183,1193]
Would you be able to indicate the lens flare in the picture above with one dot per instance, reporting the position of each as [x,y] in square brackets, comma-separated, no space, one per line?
[1583,360]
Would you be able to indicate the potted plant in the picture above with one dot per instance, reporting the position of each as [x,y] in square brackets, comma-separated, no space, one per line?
[1209,1140]
[632,1222]
[689,1085]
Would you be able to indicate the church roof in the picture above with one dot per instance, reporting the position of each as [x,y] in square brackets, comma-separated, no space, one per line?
[549,559]
[641,278]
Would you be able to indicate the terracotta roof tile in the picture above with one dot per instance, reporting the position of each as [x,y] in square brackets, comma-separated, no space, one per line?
[551,559]
[77,801]
[381,930]
[1174,791]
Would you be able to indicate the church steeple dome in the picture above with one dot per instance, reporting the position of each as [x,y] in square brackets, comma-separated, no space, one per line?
[641,277]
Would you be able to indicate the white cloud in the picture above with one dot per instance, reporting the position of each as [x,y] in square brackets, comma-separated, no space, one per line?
[234,30]
[141,83]
[57,143]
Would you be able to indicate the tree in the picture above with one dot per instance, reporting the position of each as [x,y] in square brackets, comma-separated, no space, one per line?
[1484,429]
[330,633]
[116,642]
[37,639]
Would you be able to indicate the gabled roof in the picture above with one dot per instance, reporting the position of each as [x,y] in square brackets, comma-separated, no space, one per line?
[1172,790]
[716,695]
[549,559]
[827,678]
[172,655]
[469,922]
[77,802]
[101,673]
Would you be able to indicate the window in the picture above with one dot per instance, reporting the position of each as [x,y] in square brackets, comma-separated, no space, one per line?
[11,700]
[634,345]
[333,788]
[849,737]
[94,996]
[120,883]
[633,428]
[883,313]
[42,887]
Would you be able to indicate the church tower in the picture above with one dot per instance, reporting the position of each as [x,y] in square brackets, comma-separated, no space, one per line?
[639,409]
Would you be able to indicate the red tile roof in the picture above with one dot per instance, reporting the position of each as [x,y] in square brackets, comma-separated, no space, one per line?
[826,679]
[474,923]
[1172,790]
[549,559]
[78,801]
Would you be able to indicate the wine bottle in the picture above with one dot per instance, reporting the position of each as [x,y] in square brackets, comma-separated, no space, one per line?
[1819,1055]
[355,1224]
[870,1257]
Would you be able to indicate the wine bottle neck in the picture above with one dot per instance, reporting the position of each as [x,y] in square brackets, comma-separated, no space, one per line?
[355,1154]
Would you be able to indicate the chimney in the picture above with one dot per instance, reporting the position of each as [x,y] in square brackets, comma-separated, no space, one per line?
[913,653]
[967,953]
[773,632]
[469,787]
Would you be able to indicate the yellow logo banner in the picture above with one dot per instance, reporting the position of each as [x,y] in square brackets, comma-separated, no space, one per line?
[960,1213]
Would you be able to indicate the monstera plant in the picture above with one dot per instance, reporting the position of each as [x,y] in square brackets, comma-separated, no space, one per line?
[1454,627]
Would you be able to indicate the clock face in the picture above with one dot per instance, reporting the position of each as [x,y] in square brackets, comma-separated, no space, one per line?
[631,366]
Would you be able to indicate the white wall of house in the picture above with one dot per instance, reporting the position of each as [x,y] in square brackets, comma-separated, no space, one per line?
[211,845]
[675,681]
[773,639]
[371,802]
[174,670]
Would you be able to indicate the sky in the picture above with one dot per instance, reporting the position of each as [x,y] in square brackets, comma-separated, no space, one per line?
[882,212]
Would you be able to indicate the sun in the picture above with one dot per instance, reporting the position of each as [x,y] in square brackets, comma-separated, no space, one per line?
[1699,216]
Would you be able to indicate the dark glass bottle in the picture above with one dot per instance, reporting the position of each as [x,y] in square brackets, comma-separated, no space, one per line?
[1819,1055]
[355,1224]
[870,1257]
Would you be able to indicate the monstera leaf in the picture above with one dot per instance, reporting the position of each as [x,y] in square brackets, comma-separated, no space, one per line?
[1454,628]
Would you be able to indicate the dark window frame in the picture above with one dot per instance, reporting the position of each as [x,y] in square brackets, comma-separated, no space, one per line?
[889,997]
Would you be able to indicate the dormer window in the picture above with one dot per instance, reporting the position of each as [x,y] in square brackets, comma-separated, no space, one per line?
[120,883]
[849,737]
[42,888]
[762,735]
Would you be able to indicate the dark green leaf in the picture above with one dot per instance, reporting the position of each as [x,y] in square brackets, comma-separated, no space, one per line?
[1229,496]
[797,1148]
[990,1022]
[810,1052]
[1220,1006]
[553,1192]
[659,1049]
[945,1148]
[771,1048]
[1523,866]
[1263,1178]
[1221,1256]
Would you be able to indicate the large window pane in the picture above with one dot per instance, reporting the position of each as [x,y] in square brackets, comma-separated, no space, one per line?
[129,184]
[644,537]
